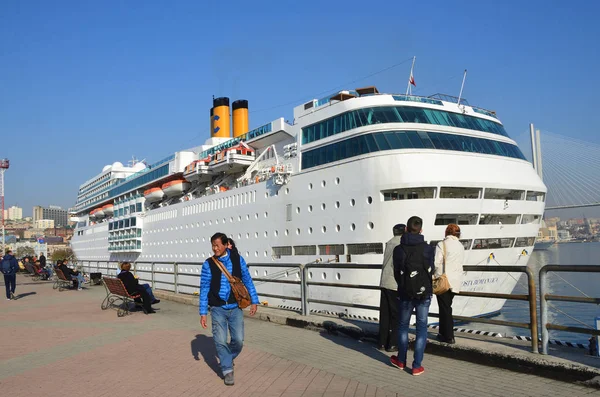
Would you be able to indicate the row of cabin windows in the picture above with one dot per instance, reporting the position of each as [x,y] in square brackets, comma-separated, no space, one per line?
[486,219]
[123,223]
[393,140]
[396,114]
[462,193]
[377,248]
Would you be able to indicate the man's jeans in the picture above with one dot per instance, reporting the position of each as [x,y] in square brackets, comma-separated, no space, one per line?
[223,319]
[406,307]
[149,291]
[10,281]
[79,278]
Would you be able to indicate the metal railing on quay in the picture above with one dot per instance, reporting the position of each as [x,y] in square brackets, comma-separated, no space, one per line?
[545,297]
[305,283]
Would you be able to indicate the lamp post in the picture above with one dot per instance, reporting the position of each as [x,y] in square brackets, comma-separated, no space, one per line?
[4,164]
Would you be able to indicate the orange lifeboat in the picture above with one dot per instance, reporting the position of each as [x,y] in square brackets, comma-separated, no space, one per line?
[99,213]
[154,194]
[175,188]
[108,209]
[92,214]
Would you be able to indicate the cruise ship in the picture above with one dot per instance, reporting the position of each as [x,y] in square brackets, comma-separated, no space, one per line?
[328,186]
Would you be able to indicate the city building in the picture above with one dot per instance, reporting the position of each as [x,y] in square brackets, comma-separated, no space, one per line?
[53,212]
[564,235]
[14,213]
[44,224]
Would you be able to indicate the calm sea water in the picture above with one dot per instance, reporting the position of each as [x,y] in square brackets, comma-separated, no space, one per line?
[582,313]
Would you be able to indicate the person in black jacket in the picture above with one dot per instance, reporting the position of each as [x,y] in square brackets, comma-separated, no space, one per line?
[133,286]
[71,274]
[42,260]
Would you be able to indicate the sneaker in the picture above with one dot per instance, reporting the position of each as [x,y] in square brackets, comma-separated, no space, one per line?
[228,379]
[391,349]
[12,296]
[155,301]
[418,371]
[79,289]
[7,299]
[396,362]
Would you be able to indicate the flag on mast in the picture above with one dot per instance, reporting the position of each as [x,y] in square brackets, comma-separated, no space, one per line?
[411,78]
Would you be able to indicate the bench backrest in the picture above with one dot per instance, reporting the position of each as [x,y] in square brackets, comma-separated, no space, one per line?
[115,286]
[60,275]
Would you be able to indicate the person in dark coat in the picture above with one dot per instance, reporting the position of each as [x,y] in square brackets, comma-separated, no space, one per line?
[9,267]
[42,260]
[133,286]
[71,274]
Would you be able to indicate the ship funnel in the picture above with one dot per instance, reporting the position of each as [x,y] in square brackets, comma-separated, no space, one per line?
[212,123]
[220,120]
[240,117]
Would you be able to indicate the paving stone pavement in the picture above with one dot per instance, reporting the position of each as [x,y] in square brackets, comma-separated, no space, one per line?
[52,343]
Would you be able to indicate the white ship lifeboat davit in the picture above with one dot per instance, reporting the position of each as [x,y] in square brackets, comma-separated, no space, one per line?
[234,159]
[99,213]
[153,195]
[175,188]
[198,171]
[108,209]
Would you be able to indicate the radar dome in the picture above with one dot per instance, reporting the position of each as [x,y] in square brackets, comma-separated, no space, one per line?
[106,168]
[139,166]
[117,164]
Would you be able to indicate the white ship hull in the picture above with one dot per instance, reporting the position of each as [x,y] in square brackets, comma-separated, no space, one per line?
[322,212]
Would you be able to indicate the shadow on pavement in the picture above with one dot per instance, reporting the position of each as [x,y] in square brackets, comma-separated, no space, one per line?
[19,296]
[206,346]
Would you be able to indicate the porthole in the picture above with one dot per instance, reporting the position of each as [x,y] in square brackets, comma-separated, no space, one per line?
[256,216]
[297,210]
[298,231]
[267,195]
[287,190]
[276,233]
[338,276]
[216,221]
[353,227]
[266,214]
[370,225]
[369,200]
[231,220]
[324,229]
[310,230]
[323,183]
[239,236]
[266,272]
[256,254]
[266,254]
[287,232]
[247,254]
[323,206]
[210,223]
[337,204]
[352,203]
[337,181]
[256,272]
[324,276]
[224,220]
[247,235]
[310,208]
[255,234]
[203,239]
[310,186]
[266,234]
[247,217]
[310,275]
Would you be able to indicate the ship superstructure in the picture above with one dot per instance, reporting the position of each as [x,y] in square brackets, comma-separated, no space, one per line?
[331,184]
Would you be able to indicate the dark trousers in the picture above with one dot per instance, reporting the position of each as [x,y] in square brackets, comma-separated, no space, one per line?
[10,281]
[146,299]
[388,318]
[446,320]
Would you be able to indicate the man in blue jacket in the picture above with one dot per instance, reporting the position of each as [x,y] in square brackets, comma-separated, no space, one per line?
[9,267]
[215,291]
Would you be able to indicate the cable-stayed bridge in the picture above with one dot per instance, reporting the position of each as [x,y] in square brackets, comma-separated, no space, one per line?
[570,169]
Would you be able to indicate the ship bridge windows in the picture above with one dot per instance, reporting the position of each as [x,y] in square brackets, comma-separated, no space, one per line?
[499,219]
[525,242]
[504,194]
[393,140]
[458,219]
[411,193]
[535,196]
[530,219]
[396,114]
[491,243]
[460,192]
[466,243]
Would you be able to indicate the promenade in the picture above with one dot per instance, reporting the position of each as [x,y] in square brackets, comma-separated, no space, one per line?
[61,343]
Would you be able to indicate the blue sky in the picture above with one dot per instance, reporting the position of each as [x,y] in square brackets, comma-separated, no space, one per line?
[84,84]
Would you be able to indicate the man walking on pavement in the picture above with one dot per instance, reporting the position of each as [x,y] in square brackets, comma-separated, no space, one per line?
[215,291]
[413,270]
[388,304]
[9,267]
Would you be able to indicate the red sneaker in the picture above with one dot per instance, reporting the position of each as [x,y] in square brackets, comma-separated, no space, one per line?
[418,371]
[396,362]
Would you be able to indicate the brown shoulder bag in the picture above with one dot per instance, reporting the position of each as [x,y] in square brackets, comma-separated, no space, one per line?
[441,284]
[240,292]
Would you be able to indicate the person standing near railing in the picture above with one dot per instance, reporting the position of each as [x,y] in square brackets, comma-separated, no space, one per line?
[413,269]
[215,291]
[388,303]
[9,267]
[449,258]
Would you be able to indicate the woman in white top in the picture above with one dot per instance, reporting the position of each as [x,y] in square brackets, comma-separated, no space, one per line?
[454,257]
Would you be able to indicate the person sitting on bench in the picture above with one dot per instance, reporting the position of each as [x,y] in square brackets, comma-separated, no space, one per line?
[133,286]
[146,285]
[70,274]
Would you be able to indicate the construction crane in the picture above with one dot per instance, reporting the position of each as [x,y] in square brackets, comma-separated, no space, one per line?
[4,164]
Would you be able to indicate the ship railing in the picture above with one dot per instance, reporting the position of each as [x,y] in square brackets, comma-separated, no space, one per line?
[184,277]
[545,297]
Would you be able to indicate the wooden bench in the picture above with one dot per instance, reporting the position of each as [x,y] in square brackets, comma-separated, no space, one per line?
[116,292]
[61,282]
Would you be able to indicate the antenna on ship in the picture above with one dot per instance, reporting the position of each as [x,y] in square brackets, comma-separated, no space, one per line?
[411,79]
[462,86]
